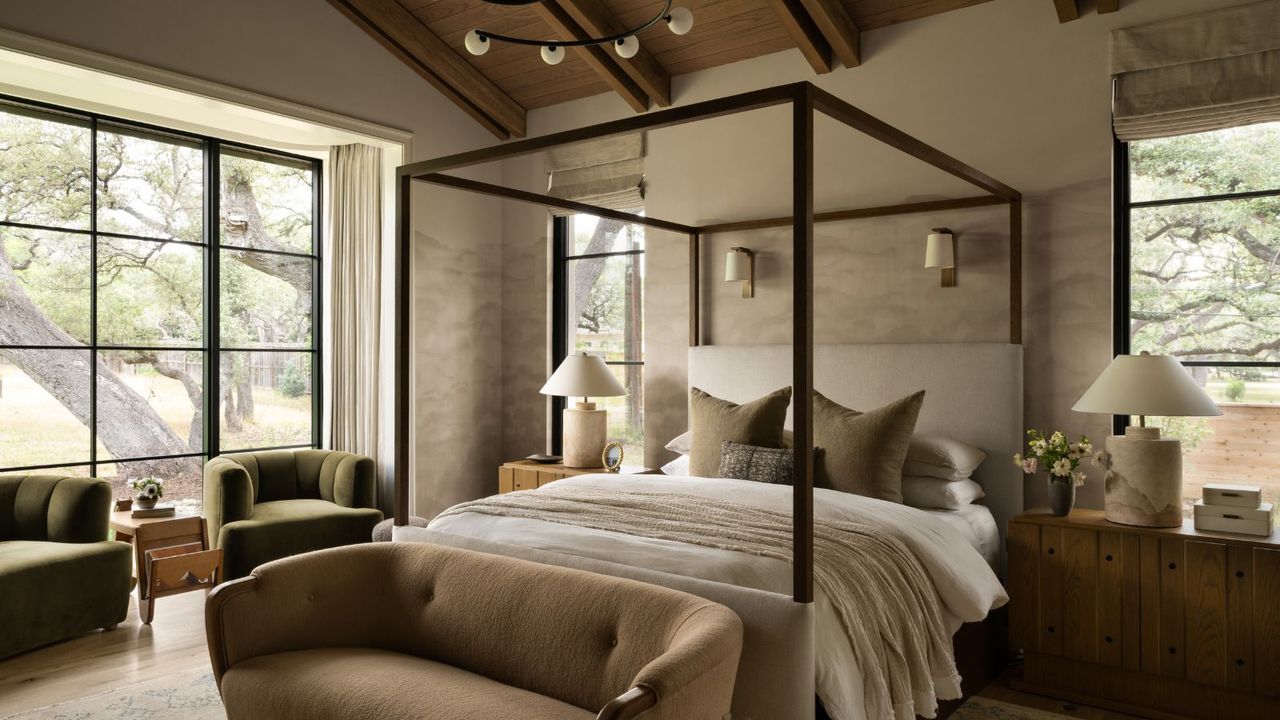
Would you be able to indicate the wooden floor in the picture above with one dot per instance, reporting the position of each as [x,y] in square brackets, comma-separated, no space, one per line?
[174,642]
[130,654]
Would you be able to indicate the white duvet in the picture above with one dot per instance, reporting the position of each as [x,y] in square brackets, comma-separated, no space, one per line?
[967,587]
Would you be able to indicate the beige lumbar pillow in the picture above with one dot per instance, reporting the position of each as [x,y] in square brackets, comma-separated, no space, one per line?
[712,421]
[863,452]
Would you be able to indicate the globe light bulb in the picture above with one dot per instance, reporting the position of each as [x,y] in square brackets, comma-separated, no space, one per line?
[680,21]
[627,47]
[476,43]
[552,55]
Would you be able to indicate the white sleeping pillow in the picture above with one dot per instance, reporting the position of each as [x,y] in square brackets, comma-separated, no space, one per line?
[937,494]
[941,457]
[681,444]
[679,466]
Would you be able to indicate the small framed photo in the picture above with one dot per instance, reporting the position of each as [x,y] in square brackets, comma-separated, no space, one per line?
[611,458]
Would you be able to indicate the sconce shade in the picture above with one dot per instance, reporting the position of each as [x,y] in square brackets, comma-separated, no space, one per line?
[735,267]
[583,375]
[1147,385]
[939,251]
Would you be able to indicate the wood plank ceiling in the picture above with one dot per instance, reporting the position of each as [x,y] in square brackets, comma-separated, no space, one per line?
[497,88]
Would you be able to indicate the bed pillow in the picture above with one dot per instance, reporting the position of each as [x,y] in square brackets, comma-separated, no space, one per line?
[863,452]
[681,444]
[712,421]
[679,466]
[941,457]
[937,494]
[748,462]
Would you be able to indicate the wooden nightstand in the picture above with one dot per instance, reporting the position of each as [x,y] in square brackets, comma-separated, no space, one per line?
[1153,622]
[527,474]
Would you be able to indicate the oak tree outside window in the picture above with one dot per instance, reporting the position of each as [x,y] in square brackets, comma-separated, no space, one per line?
[599,300]
[158,299]
[1198,272]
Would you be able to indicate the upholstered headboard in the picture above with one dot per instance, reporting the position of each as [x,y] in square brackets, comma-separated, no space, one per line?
[973,393]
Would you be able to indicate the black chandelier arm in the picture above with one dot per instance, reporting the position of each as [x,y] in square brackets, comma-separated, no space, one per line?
[666,11]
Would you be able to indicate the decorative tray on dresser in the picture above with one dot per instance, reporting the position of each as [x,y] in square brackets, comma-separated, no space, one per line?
[1155,622]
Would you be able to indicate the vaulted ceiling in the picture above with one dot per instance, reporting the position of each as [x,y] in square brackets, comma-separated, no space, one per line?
[497,88]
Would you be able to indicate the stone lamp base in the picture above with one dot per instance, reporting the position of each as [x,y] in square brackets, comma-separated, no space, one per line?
[1144,486]
[586,432]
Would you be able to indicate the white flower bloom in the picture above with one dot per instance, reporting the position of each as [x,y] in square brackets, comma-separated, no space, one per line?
[1062,468]
[1100,458]
[1017,459]
[1078,478]
[1030,465]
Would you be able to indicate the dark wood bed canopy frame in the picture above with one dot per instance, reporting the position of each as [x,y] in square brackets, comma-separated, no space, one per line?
[805,99]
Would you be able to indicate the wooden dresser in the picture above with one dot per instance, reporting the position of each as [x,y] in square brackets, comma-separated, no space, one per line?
[527,474]
[1162,623]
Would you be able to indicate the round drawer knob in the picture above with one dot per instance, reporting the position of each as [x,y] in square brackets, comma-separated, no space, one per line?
[1050,551]
[1173,651]
[1240,662]
[1239,573]
[1108,638]
[1173,566]
[1108,558]
[1050,628]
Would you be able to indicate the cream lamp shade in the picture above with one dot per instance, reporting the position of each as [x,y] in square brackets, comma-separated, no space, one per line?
[939,251]
[1147,385]
[735,266]
[582,375]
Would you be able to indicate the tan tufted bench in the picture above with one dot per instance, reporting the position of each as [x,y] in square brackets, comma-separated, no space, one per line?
[412,630]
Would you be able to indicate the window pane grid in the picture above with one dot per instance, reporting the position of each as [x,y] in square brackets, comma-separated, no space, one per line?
[139,231]
[1201,240]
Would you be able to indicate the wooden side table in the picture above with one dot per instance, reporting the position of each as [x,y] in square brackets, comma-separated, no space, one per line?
[527,474]
[1153,622]
[171,555]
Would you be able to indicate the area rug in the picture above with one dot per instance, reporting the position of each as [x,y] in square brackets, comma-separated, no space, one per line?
[980,708]
[189,695]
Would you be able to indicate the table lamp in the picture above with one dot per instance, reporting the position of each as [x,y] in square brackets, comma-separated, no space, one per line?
[1144,478]
[585,427]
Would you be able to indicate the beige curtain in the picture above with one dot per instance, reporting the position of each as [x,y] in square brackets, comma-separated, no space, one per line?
[355,258]
[1209,71]
[608,172]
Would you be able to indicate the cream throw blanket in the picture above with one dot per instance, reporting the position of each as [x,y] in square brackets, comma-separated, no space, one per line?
[884,597]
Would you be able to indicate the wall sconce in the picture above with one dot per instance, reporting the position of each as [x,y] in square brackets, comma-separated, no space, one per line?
[740,266]
[940,252]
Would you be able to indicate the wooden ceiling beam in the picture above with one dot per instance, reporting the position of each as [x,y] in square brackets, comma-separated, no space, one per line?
[1068,10]
[596,56]
[1108,6]
[596,19]
[804,32]
[833,20]
[400,32]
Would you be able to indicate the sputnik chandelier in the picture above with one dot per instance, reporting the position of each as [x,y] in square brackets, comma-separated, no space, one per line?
[679,21]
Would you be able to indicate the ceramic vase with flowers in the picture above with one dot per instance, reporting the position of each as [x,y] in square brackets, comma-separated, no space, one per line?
[147,491]
[1060,458]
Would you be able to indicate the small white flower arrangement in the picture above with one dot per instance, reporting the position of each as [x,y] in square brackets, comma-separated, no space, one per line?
[1057,455]
[148,488]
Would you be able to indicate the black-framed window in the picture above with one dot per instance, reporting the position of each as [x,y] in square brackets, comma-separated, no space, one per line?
[1198,277]
[159,298]
[598,308]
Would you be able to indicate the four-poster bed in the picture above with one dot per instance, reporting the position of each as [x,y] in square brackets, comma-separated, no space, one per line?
[804,100]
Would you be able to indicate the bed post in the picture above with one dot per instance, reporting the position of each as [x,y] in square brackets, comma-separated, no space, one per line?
[802,342]
[404,303]
[1015,272]
[695,289]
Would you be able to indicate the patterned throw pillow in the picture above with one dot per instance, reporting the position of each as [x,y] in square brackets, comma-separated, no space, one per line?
[758,464]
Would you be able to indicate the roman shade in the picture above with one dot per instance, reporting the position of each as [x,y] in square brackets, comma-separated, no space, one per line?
[608,172]
[1202,72]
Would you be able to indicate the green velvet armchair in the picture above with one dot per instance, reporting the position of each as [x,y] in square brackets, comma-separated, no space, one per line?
[264,506]
[60,576]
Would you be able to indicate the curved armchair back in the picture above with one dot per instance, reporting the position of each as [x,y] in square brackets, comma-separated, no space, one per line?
[55,509]
[579,637]
[235,482]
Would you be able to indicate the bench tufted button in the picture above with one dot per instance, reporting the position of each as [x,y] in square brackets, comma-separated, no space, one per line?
[613,642]
[431,596]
